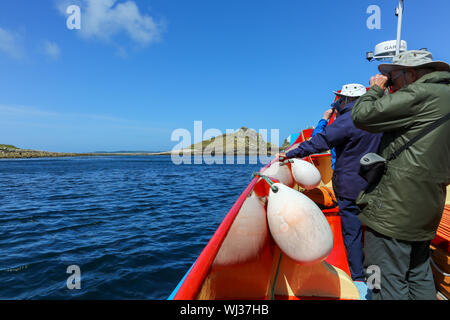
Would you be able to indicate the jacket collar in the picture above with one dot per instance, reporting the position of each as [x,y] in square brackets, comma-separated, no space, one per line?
[434,77]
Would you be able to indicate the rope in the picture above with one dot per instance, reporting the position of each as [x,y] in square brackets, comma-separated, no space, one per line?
[312,162]
[272,296]
[303,136]
[285,162]
[309,157]
[267,180]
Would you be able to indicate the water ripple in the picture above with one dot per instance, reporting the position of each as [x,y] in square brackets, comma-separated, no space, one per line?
[133,225]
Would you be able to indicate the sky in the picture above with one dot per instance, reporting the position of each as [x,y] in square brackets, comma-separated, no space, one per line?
[136,71]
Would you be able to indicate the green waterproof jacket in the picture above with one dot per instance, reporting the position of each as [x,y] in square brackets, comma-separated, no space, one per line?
[408,201]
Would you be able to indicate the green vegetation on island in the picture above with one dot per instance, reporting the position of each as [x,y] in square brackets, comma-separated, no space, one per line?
[244,141]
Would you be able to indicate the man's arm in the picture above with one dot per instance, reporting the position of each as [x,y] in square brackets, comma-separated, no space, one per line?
[330,137]
[320,127]
[376,112]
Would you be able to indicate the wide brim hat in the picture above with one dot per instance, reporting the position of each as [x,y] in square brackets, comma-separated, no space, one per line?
[351,90]
[413,59]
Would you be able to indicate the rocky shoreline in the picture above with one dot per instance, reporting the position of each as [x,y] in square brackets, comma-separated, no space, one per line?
[21,153]
[28,154]
[12,152]
[243,142]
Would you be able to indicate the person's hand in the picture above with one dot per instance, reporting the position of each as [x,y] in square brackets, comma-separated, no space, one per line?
[379,80]
[328,114]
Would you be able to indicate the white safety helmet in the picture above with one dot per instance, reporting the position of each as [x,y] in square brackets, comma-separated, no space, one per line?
[351,90]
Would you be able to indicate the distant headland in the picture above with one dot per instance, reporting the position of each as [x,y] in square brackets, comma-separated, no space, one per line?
[244,141]
[13,152]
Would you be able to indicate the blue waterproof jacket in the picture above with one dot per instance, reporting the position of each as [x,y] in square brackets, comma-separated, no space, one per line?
[318,129]
[350,144]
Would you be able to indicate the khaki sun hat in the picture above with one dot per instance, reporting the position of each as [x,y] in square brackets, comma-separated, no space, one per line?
[413,59]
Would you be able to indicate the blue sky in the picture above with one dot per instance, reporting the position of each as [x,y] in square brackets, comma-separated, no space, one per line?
[137,70]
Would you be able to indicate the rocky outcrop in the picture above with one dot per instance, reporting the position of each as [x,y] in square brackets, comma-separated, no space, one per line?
[244,141]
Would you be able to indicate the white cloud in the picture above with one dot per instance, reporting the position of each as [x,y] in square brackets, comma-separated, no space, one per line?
[11,44]
[106,19]
[52,49]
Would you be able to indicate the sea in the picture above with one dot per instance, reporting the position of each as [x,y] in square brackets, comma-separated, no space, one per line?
[108,227]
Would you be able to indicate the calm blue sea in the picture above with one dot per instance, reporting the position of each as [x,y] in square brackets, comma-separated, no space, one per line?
[133,224]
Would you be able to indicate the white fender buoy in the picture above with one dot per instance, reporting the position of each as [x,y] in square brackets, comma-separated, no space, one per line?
[247,234]
[305,174]
[298,226]
[281,173]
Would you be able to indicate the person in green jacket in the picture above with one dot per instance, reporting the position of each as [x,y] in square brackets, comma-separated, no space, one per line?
[403,210]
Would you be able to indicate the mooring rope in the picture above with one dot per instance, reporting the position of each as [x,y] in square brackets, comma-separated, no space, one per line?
[267,180]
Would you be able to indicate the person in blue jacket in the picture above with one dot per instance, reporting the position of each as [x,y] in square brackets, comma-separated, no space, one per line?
[321,126]
[350,144]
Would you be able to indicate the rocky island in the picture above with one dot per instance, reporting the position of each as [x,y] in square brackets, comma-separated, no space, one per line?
[244,141]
